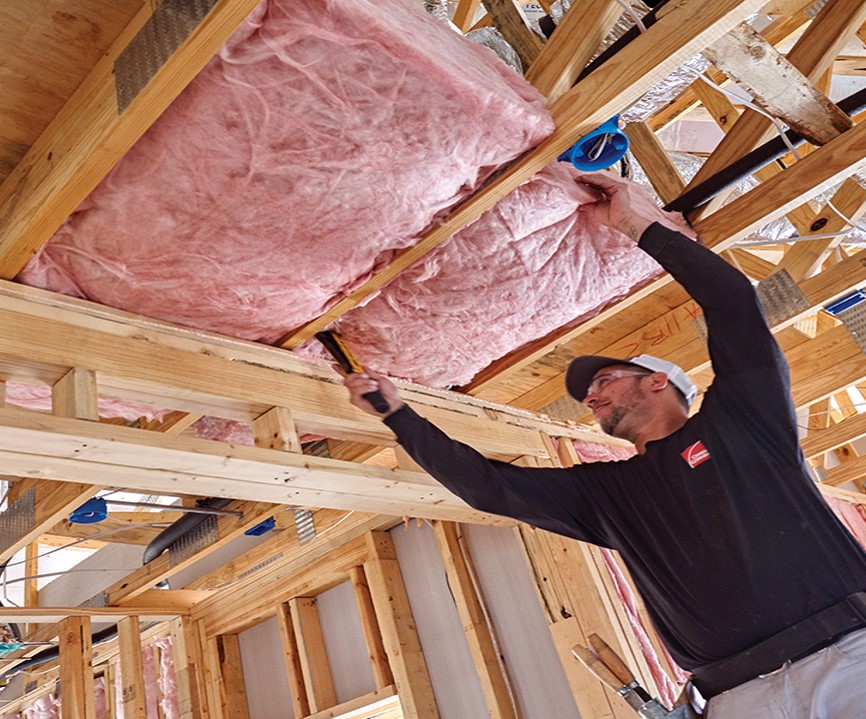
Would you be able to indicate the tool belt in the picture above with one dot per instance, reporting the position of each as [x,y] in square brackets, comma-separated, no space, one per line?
[796,642]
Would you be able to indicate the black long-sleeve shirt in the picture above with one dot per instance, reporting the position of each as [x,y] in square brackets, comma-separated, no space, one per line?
[727,538]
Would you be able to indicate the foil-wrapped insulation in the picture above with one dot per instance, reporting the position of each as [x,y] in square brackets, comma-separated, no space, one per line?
[813,10]
[491,38]
[438,9]
[667,90]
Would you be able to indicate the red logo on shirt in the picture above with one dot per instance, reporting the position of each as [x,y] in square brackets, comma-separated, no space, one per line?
[695,454]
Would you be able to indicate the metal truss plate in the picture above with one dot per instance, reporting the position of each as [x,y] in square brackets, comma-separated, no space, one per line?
[194,541]
[172,22]
[782,297]
[97,600]
[854,318]
[305,525]
[18,519]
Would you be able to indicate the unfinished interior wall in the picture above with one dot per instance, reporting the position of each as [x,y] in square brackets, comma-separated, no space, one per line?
[538,678]
[344,643]
[264,672]
[452,673]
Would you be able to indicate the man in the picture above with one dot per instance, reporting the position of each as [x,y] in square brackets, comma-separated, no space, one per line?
[751,581]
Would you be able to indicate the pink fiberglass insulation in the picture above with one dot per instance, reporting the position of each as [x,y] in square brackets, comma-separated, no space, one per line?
[47,707]
[167,679]
[525,268]
[100,700]
[39,398]
[852,516]
[149,673]
[326,135]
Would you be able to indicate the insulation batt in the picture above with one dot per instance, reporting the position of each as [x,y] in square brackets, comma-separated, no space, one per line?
[322,138]
[525,268]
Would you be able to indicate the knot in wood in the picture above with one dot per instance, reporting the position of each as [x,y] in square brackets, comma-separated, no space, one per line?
[818,224]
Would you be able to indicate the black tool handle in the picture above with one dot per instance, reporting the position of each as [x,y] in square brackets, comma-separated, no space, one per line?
[341,352]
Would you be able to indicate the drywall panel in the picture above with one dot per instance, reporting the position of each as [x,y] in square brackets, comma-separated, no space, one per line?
[344,642]
[452,674]
[538,679]
[265,676]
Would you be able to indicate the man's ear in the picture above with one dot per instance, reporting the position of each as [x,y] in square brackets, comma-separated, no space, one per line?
[658,381]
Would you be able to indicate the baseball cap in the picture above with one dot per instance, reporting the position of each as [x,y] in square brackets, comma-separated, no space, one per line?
[583,369]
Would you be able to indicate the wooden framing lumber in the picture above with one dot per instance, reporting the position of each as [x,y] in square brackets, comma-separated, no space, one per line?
[312,654]
[398,628]
[74,395]
[482,644]
[292,659]
[569,49]
[832,437]
[508,18]
[812,55]
[52,501]
[41,336]
[138,460]
[88,136]
[777,86]
[464,15]
[232,689]
[227,529]
[76,669]
[187,665]
[687,28]
[382,675]
[655,161]
[131,668]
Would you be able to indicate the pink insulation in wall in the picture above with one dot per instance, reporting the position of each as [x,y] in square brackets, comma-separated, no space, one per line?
[324,137]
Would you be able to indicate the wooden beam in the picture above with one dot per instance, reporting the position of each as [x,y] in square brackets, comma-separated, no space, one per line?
[74,395]
[227,529]
[187,665]
[832,437]
[131,668]
[464,15]
[812,55]
[508,18]
[777,85]
[292,659]
[76,669]
[312,654]
[51,501]
[382,674]
[47,615]
[655,161]
[89,135]
[275,429]
[685,29]
[232,688]
[479,634]
[138,360]
[122,532]
[398,628]
[577,37]
[134,459]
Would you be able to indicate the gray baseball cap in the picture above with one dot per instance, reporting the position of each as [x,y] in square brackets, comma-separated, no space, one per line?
[583,369]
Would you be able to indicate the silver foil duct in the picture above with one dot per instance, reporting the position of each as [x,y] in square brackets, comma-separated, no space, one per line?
[491,37]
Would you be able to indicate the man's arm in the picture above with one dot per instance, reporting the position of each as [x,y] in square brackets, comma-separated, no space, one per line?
[748,363]
[552,499]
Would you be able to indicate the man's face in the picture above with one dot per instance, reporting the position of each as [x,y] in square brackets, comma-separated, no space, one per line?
[615,394]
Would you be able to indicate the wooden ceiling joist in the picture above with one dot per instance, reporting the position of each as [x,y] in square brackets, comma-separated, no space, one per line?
[813,54]
[88,136]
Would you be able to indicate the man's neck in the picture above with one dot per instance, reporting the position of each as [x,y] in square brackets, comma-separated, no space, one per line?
[662,427]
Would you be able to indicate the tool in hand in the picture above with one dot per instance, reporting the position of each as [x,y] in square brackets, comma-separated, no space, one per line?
[341,352]
[609,669]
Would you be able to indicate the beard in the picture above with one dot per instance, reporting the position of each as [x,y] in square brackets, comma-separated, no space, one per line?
[615,423]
